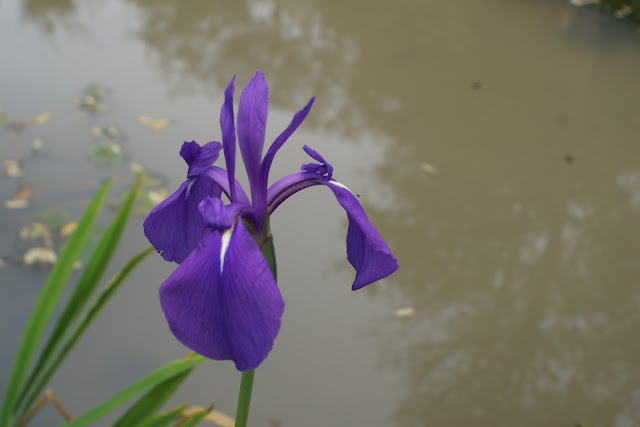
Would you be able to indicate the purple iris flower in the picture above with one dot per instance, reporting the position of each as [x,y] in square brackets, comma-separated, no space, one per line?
[222,301]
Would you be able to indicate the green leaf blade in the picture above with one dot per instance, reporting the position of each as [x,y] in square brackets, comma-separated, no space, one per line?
[154,378]
[163,419]
[152,401]
[194,419]
[87,283]
[93,311]
[46,303]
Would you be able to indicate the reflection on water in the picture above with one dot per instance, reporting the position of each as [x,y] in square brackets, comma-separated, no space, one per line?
[518,242]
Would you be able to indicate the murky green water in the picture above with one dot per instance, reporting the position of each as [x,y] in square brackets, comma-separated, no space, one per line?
[494,145]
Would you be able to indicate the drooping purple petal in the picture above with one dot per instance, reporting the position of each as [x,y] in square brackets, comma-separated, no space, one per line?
[199,158]
[227,310]
[252,119]
[175,226]
[366,251]
[228,126]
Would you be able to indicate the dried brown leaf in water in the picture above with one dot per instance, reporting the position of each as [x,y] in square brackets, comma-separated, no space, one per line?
[405,312]
[156,125]
[41,119]
[36,230]
[21,198]
[68,228]
[37,145]
[428,168]
[136,169]
[18,126]
[39,255]
[1,263]
[13,168]
[214,417]
[157,196]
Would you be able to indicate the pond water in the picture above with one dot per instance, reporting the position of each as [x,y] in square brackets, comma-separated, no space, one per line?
[493,144]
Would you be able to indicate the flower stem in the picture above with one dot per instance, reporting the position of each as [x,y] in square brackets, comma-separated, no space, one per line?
[244,398]
[265,243]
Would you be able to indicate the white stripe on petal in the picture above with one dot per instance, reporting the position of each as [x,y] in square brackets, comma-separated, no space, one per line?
[226,238]
[337,184]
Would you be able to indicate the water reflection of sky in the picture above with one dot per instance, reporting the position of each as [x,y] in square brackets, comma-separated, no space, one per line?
[517,246]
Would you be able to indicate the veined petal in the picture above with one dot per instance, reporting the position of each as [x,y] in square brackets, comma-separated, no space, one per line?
[298,118]
[222,301]
[221,178]
[366,251]
[285,187]
[252,119]
[199,158]
[175,226]
[322,169]
[228,126]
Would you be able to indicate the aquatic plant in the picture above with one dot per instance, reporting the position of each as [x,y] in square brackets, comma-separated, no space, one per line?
[222,301]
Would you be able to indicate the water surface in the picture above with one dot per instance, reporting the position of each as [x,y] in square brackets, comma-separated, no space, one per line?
[493,145]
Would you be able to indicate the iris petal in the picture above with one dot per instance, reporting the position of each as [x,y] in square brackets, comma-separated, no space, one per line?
[227,124]
[252,119]
[366,251]
[199,158]
[175,226]
[228,311]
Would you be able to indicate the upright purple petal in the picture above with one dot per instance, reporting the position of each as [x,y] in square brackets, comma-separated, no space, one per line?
[261,203]
[252,120]
[228,126]
[366,251]
[298,118]
[199,158]
[175,226]
[323,169]
[222,301]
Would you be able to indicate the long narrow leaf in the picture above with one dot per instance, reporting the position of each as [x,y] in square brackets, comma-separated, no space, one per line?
[84,288]
[163,419]
[46,303]
[93,311]
[152,401]
[194,419]
[154,378]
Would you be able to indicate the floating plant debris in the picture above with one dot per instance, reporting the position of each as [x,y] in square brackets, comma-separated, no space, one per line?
[36,230]
[68,228]
[40,255]
[156,125]
[405,312]
[92,99]
[157,196]
[428,168]
[54,220]
[13,168]
[37,145]
[107,152]
[5,119]
[111,132]
[41,119]
[21,198]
